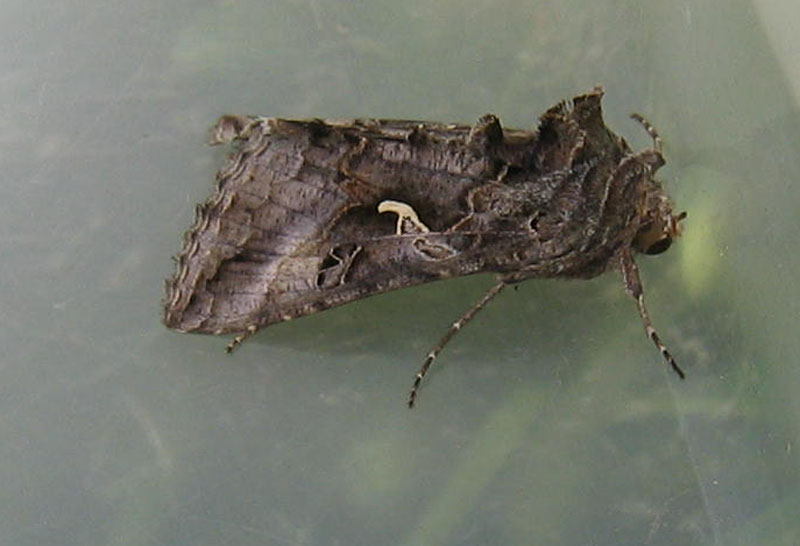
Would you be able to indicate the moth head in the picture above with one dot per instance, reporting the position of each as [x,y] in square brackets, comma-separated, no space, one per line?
[659,228]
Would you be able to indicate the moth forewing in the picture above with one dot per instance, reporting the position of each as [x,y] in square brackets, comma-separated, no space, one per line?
[308,215]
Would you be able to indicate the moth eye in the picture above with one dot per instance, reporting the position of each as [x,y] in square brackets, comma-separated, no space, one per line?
[659,246]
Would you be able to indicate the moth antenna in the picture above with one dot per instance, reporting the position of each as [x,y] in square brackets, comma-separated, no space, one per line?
[238,340]
[630,274]
[657,142]
[453,330]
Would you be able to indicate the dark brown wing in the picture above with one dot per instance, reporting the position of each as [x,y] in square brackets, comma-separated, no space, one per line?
[294,226]
[264,247]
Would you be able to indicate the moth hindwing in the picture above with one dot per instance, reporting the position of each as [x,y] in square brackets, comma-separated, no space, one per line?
[312,214]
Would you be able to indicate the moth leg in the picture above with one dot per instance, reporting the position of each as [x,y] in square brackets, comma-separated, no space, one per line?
[633,286]
[238,340]
[407,219]
[653,157]
[657,142]
[453,330]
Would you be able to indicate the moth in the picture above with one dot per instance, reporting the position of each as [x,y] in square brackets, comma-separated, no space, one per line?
[311,214]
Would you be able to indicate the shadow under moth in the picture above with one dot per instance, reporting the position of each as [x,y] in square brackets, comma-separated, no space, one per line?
[312,214]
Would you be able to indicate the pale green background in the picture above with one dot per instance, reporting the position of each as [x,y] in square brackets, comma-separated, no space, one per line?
[551,420]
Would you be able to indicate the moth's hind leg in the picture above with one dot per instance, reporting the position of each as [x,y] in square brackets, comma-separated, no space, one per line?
[453,330]
[630,274]
[238,340]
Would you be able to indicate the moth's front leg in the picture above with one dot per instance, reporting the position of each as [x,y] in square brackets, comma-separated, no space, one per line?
[630,275]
